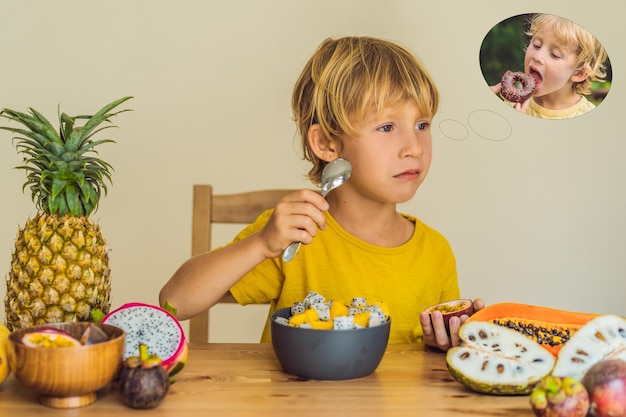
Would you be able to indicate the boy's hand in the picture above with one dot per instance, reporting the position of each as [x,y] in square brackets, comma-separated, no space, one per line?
[434,331]
[523,106]
[296,218]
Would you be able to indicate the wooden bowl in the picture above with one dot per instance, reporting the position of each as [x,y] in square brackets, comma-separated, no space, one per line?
[66,377]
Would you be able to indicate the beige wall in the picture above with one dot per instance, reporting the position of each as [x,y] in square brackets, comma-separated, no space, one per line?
[536,218]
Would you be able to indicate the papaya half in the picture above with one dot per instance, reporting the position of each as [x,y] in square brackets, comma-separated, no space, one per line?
[549,327]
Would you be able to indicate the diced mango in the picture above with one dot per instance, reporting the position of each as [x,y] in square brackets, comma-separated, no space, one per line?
[309,315]
[338,309]
[312,315]
[298,319]
[362,319]
[322,325]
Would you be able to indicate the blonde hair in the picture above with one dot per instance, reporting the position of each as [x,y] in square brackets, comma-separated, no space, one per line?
[348,77]
[590,54]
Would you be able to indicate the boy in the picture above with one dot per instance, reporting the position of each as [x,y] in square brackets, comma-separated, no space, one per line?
[564,59]
[371,102]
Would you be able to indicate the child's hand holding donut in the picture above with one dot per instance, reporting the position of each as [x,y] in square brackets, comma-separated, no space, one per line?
[516,88]
[523,106]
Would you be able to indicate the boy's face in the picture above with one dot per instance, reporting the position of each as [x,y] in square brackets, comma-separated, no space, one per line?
[551,62]
[391,153]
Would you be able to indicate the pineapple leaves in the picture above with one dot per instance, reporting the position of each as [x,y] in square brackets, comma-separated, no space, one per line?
[102,116]
[63,175]
[46,125]
[73,201]
[35,123]
[66,124]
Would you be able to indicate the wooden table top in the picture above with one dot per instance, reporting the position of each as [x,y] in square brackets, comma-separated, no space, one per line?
[246,380]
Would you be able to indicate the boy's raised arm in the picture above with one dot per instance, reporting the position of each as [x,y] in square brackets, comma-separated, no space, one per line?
[202,280]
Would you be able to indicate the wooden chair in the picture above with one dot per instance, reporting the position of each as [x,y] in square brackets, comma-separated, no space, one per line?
[209,208]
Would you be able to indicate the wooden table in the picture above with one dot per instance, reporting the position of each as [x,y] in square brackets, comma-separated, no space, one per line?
[246,380]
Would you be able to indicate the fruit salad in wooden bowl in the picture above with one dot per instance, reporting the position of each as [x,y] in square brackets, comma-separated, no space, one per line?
[66,363]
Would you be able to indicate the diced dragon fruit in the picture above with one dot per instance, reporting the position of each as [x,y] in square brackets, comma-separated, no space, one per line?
[323,311]
[282,320]
[343,323]
[353,311]
[377,317]
[313,298]
[358,302]
[297,308]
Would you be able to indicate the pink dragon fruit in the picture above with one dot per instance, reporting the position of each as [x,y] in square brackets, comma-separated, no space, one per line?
[155,327]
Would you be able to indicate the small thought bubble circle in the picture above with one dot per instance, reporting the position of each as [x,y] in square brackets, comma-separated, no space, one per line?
[453,129]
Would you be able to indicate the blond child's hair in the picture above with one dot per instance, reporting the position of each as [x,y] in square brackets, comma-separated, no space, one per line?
[590,54]
[348,77]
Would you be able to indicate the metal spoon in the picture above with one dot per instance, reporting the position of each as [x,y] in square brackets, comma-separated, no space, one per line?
[335,173]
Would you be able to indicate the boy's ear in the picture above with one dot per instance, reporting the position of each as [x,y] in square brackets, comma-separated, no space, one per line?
[324,148]
[580,75]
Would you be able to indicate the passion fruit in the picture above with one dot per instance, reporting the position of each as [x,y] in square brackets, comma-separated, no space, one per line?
[50,338]
[454,308]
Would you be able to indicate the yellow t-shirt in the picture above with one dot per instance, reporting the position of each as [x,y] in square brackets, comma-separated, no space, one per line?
[582,107]
[337,265]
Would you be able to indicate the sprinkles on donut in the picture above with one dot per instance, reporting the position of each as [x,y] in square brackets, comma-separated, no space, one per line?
[517,87]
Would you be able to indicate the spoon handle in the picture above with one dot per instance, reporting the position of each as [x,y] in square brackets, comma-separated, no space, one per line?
[335,173]
[290,251]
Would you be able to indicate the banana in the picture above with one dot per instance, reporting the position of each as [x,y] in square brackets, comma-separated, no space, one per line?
[4,347]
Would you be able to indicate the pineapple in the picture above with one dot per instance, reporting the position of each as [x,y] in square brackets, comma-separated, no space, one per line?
[60,267]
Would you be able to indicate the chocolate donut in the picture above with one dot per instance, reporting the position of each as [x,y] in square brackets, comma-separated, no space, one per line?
[517,86]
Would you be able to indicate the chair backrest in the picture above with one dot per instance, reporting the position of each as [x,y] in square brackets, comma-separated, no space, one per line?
[209,208]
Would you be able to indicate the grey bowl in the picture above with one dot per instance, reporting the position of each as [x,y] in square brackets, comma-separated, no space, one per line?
[328,354]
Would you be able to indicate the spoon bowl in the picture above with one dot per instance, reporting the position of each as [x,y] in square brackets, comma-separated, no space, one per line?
[335,173]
